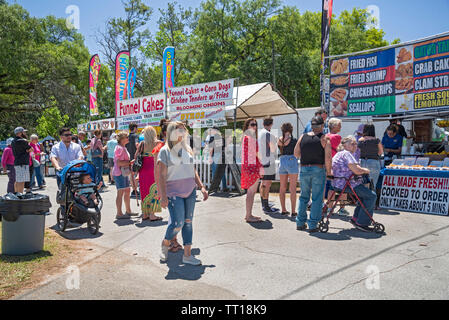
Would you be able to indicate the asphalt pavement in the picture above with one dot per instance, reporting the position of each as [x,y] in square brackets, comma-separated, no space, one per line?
[269,260]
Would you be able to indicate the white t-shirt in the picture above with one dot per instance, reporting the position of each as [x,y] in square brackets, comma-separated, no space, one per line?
[267,148]
[180,172]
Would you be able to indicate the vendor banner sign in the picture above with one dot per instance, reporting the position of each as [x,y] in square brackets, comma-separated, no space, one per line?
[202,119]
[416,194]
[168,68]
[201,103]
[394,80]
[143,111]
[121,75]
[105,124]
[94,71]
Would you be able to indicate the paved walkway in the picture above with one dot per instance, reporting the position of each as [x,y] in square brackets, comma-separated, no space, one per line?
[270,260]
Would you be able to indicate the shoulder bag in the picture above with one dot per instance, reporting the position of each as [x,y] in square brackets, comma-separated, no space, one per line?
[138,162]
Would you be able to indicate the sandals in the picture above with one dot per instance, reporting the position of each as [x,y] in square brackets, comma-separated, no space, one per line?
[175,247]
[254,220]
[294,214]
[285,213]
[157,219]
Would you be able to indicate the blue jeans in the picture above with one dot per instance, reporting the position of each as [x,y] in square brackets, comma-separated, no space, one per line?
[312,181]
[223,180]
[38,174]
[368,197]
[98,163]
[374,168]
[181,209]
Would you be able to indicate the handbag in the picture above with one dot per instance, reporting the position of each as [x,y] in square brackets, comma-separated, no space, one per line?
[138,162]
[36,164]
[126,171]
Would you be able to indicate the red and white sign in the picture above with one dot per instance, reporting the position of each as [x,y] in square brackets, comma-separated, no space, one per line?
[216,94]
[416,194]
[140,106]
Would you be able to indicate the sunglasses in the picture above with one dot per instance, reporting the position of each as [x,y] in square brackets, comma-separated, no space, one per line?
[67,135]
[254,124]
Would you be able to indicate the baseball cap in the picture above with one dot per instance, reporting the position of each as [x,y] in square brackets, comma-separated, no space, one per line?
[9,141]
[19,129]
[317,120]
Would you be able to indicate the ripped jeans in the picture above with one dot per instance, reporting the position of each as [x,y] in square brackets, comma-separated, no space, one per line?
[181,216]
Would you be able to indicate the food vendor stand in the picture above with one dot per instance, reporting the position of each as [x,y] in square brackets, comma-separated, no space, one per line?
[409,82]
[105,125]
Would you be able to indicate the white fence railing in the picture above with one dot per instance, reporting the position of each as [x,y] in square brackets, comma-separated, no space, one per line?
[204,169]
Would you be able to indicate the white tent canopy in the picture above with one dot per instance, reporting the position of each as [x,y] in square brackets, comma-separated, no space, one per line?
[256,101]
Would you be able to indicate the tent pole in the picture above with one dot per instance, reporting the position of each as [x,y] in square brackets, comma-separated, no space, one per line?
[234,139]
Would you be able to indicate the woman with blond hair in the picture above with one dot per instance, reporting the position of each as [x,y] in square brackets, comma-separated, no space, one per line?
[177,186]
[121,173]
[149,151]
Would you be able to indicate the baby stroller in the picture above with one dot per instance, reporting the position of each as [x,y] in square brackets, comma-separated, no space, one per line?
[335,197]
[72,209]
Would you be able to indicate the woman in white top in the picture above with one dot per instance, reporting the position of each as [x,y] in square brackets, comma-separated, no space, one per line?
[177,186]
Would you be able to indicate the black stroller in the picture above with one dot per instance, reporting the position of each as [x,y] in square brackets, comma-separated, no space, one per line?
[72,209]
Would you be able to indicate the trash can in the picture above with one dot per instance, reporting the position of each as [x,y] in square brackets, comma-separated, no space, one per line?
[23,225]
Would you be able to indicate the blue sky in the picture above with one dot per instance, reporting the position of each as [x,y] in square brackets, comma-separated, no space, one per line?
[404,19]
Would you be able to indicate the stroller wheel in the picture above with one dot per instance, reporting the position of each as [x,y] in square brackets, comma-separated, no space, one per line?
[61,219]
[379,228]
[323,226]
[92,225]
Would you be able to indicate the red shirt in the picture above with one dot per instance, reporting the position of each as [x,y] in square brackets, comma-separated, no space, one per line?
[335,142]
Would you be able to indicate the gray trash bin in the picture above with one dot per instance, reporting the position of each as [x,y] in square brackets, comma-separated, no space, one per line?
[23,225]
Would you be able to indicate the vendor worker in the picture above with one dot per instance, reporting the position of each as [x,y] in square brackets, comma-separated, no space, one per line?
[392,143]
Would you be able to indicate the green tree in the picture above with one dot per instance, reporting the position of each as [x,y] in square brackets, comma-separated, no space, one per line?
[173,30]
[50,122]
[43,64]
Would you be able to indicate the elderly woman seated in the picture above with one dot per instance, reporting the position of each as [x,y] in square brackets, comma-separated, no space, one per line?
[344,165]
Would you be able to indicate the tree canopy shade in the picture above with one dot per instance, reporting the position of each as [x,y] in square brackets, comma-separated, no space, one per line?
[44,65]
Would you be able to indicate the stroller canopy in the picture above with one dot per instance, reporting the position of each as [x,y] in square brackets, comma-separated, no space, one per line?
[78,166]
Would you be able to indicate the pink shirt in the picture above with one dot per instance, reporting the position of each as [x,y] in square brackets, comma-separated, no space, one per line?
[122,154]
[7,157]
[335,142]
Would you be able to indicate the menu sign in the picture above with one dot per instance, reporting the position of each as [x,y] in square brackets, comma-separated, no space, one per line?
[401,79]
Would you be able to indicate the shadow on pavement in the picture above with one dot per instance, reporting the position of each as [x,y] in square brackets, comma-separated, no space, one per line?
[179,270]
[387,212]
[76,233]
[225,195]
[123,222]
[278,215]
[148,223]
[264,225]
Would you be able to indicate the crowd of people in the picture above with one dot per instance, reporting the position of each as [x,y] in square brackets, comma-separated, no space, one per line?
[159,168]
[326,161]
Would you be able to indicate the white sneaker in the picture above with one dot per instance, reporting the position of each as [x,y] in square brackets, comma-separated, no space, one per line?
[164,253]
[191,260]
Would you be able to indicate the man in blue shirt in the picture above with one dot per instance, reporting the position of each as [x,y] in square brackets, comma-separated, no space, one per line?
[323,114]
[64,152]
[392,143]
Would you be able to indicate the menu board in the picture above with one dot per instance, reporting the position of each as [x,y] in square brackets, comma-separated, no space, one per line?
[394,80]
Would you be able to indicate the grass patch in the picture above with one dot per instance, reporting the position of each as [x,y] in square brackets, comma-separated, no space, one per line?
[24,272]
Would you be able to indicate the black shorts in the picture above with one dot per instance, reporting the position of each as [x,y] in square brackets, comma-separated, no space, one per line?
[269,172]
[269,177]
